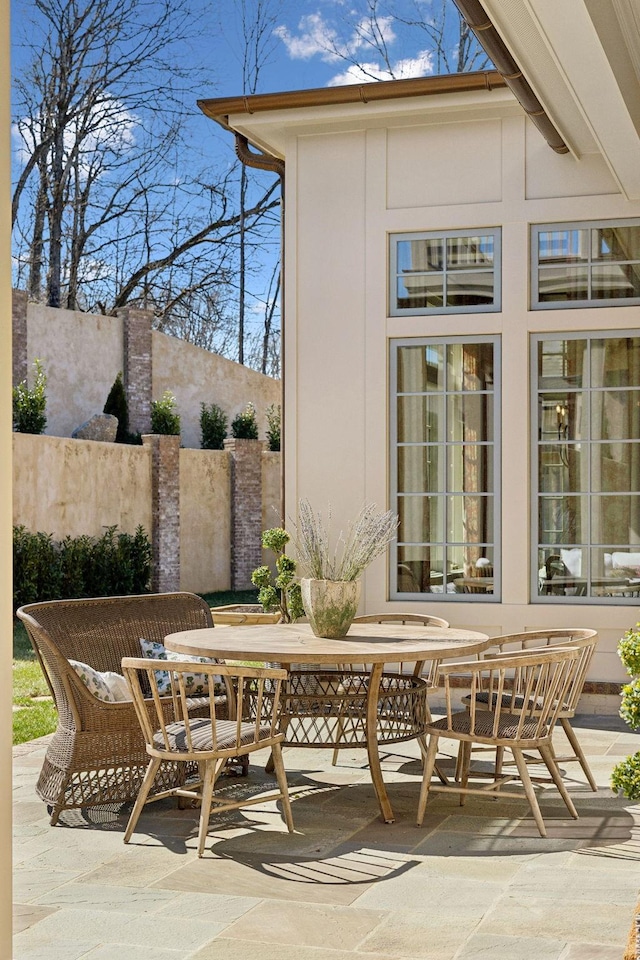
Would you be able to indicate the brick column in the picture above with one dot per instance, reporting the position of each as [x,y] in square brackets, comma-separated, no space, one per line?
[246,510]
[137,366]
[165,511]
[19,336]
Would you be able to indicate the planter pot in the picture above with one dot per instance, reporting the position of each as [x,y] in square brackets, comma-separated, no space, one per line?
[330,605]
[236,614]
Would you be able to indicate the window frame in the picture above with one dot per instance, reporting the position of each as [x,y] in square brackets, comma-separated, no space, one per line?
[395,344]
[444,235]
[537,228]
[588,545]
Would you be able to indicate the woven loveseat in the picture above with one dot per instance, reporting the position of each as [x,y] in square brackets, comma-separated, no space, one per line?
[97,754]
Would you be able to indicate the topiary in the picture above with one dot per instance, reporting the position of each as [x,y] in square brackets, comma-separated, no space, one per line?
[283,593]
[116,405]
[626,774]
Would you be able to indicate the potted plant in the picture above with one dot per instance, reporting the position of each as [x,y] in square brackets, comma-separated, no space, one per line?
[281,594]
[331,588]
[625,777]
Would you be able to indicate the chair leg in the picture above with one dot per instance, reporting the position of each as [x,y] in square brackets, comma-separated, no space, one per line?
[339,731]
[499,761]
[427,773]
[141,799]
[548,755]
[465,764]
[205,808]
[521,764]
[577,749]
[276,753]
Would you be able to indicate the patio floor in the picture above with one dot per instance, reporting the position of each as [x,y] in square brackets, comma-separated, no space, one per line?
[473,882]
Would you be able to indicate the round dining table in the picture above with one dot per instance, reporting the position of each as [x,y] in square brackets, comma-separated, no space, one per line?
[380,694]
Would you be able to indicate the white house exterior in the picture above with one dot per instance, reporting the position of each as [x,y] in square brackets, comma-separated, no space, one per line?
[462,324]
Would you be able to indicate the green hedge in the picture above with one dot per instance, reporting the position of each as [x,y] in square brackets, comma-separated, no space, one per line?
[112,565]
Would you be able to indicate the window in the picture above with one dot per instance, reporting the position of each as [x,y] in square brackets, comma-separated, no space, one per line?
[446,272]
[586,464]
[445,401]
[585,264]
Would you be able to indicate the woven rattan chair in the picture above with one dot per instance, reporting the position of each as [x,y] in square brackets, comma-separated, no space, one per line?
[527,692]
[97,754]
[425,620]
[583,640]
[207,741]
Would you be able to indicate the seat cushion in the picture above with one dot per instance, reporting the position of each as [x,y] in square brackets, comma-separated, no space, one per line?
[202,739]
[484,721]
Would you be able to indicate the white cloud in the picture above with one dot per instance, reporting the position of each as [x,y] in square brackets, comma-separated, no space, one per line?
[315,37]
[418,66]
[110,126]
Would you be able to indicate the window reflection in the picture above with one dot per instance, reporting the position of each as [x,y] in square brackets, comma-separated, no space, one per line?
[445,474]
[588,403]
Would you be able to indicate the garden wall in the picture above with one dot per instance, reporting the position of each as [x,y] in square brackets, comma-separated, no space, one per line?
[71,487]
[82,354]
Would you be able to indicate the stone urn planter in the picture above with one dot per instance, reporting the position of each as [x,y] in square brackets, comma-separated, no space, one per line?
[330,605]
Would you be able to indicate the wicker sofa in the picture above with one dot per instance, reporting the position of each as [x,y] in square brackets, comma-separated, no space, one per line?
[97,754]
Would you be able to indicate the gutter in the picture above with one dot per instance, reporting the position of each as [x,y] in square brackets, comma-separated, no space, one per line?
[494,46]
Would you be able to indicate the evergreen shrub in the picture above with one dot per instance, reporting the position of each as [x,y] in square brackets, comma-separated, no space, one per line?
[273,426]
[165,419]
[213,424]
[114,564]
[30,403]
[245,425]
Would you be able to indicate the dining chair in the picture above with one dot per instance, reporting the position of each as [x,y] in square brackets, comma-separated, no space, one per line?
[583,640]
[425,620]
[526,693]
[208,741]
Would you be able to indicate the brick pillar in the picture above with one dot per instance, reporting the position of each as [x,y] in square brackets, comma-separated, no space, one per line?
[246,510]
[137,366]
[19,337]
[165,511]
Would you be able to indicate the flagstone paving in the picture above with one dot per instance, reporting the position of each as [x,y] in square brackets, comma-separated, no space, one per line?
[473,882]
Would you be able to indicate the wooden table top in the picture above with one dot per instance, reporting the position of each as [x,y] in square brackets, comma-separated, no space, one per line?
[295,643]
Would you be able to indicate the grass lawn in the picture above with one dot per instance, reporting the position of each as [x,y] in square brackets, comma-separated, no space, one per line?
[34,714]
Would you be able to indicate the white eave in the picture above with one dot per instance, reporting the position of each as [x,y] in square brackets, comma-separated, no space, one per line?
[582,60]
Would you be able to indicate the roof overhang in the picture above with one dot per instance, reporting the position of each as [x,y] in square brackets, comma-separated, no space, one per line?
[582,60]
[266,120]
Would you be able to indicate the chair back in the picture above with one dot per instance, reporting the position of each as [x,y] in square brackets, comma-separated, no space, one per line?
[526,692]
[582,639]
[424,618]
[101,631]
[198,738]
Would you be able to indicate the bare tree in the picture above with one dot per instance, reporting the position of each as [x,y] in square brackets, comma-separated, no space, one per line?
[106,201]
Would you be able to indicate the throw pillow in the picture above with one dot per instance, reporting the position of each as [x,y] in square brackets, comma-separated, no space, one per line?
[108,686]
[195,684]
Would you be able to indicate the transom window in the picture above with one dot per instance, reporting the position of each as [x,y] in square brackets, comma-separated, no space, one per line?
[444,467]
[444,272]
[585,264]
[586,463]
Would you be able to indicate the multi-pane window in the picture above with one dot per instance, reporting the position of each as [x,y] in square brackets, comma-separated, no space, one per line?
[448,272]
[444,467]
[587,467]
[585,264]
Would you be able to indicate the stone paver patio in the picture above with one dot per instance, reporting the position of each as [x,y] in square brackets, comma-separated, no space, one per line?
[473,882]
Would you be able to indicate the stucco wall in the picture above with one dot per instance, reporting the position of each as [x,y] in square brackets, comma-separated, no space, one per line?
[82,355]
[204,520]
[349,185]
[73,487]
[196,376]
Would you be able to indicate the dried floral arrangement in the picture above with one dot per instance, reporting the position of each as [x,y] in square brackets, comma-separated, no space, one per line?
[367,537]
